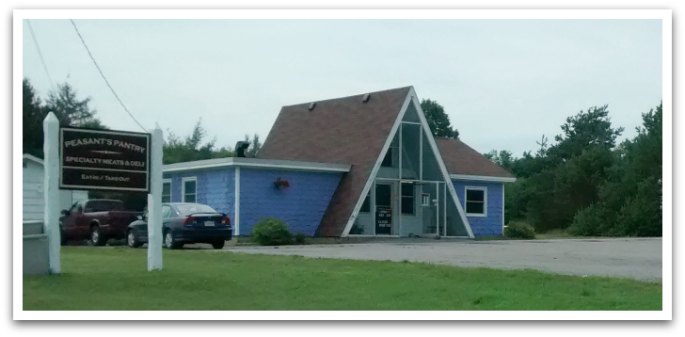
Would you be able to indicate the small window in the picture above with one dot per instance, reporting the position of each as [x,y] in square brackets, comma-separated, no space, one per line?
[407,198]
[166,190]
[366,205]
[190,189]
[425,199]
[476,201]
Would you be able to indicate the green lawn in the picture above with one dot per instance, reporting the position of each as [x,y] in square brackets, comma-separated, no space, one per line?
[107,278]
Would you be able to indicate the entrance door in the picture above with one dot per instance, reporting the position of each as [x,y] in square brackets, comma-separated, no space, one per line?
[383,209]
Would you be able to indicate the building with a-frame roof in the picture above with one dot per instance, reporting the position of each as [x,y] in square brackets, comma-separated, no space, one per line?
[364,165]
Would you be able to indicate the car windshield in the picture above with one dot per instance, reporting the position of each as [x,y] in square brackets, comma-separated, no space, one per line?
[187,209]
[104,205]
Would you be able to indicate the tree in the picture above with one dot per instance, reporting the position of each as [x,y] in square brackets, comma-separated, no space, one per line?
[255,146]
[502,158]
[189,149]
[70,110]
[63,102]
[564,177]
[591,128]
[585,183]
[437,119]
[33,114]
[630,199]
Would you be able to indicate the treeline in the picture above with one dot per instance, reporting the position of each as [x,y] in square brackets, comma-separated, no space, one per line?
[68,108]
[586,184]
[192,148]
[73,111]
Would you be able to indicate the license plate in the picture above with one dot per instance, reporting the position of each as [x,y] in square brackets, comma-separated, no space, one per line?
[209,223]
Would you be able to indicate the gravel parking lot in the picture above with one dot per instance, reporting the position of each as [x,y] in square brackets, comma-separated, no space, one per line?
[627,257]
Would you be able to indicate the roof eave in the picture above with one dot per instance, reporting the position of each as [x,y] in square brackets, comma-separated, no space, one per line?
[256,163]
[483,178]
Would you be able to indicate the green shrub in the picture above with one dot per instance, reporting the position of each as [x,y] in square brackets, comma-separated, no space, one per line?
[271,232]
[590,221]
[299,238]
[519,230]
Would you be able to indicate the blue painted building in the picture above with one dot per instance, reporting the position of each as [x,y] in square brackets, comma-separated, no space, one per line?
[364,165]
[249,189]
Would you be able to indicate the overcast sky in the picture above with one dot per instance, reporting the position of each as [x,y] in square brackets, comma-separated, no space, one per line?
[503,83]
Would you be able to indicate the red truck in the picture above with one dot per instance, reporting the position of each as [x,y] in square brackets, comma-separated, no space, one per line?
[96,220]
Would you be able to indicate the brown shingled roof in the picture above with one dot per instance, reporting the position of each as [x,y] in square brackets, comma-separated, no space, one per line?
[460,158]
[344,130]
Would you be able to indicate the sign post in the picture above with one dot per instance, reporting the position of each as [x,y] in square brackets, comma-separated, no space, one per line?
[51,191]
[154,204]
[104,160]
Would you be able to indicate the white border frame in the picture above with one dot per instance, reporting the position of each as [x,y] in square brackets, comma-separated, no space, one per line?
[485,201]
[183,187]
[665,15]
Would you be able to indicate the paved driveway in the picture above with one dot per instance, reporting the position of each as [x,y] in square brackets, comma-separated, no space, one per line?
[630,258]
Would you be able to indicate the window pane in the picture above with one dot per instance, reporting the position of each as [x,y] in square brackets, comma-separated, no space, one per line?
[190,191]
[383,195]
[185,210]
[475,208]
[407,205]
[475,195]
[166,192]
[407,190]
[165,211]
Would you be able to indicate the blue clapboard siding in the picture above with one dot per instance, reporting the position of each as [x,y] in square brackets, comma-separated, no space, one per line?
[491,225]
[215,187]
[301,205]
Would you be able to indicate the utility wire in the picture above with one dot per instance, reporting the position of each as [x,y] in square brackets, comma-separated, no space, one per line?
[40,54]
[103,75]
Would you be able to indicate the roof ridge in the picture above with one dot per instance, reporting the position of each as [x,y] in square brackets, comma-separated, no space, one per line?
[349,96]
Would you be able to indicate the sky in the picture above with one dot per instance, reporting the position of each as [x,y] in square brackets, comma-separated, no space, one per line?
[503,83]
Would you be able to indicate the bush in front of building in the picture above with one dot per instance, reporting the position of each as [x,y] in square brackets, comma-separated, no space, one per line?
[519,230]
[271,232]
[299,238]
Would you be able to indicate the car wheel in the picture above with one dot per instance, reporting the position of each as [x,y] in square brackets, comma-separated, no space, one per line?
[96,237]
[218,244]
[169,242]
[131,239]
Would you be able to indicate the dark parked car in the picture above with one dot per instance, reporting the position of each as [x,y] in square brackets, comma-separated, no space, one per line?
[185,223]
[96,220]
